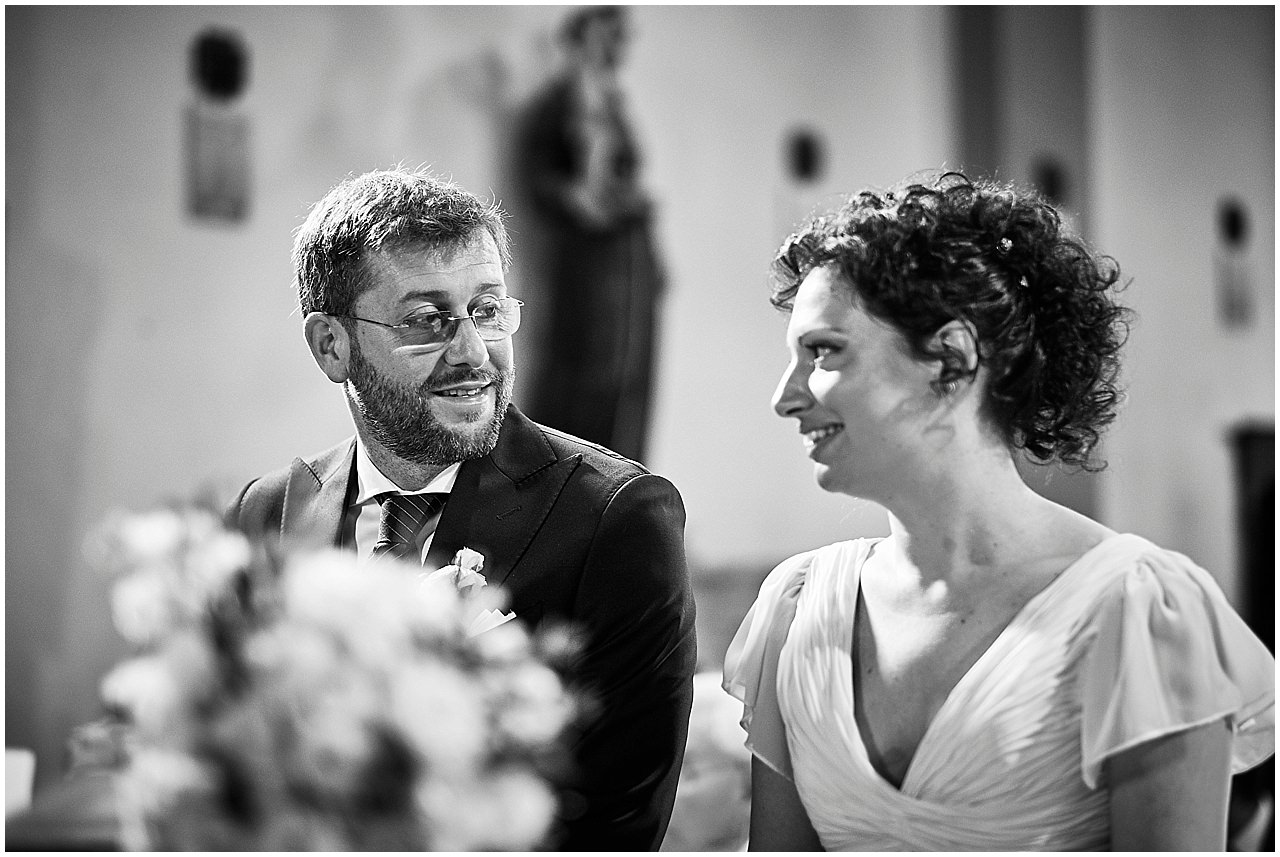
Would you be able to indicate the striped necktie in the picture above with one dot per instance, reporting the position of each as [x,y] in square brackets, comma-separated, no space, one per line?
[403,517]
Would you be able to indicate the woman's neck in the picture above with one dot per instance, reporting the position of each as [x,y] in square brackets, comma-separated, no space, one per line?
[968,521]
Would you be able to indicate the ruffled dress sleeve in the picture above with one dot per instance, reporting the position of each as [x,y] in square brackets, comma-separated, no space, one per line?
[751,662]
[1166,653]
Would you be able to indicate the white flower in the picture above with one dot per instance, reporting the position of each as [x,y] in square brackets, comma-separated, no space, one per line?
[293,830]
[504,644]
[145,687]
[250,731]
[140,608]
[509,811]
[465,577]
[152,536]
[469,560]
[215,559]
[535,708]
[442,713]
[434,609]
[443,574]
[200,524]
[293,661]
[470,563]
[158,776]
[320,587]
[463,572]
[334,738]
[559,643]
[526,805]
[367,608]
[188,656]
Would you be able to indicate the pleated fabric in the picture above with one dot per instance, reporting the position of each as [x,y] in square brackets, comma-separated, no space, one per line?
[1129,643]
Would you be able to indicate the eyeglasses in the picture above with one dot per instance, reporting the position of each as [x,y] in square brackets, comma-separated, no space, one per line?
[494,319]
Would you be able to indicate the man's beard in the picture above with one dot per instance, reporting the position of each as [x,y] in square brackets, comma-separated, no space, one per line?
[400,417]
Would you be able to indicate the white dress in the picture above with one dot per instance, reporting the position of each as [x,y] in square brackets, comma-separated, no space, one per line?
[1129,643]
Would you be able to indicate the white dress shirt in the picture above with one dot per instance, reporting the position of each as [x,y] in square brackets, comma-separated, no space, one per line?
[371,482]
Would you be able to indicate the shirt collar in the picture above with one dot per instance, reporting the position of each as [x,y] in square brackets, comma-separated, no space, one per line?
[370,481]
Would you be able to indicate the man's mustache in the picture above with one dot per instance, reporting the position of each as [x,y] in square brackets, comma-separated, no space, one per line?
[454,376]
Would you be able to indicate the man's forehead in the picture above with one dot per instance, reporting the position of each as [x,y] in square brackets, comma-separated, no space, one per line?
[443,255]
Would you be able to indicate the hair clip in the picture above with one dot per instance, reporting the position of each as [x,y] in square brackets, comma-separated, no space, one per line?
[1004,245]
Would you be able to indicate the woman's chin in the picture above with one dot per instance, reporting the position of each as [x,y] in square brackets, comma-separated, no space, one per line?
[827,479]
[835,481]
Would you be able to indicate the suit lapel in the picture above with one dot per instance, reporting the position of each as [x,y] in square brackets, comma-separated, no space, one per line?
[315,499]
[499,502]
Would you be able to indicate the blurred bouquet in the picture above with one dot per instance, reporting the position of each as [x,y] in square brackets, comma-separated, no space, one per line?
[294,702]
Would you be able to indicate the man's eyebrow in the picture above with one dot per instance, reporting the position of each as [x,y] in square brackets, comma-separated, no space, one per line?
[443,295]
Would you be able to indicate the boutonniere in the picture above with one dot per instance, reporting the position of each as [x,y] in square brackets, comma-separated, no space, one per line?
[465,575]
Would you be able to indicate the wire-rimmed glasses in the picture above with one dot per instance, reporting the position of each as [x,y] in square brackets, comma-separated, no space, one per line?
[494,318]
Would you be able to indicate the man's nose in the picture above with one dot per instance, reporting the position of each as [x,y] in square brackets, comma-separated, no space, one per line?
[467,348]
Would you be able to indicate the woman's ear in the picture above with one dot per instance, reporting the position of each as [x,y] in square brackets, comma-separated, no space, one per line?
[956,347]
[330,345]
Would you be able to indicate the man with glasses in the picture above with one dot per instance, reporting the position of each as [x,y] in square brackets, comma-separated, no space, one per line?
[401,284]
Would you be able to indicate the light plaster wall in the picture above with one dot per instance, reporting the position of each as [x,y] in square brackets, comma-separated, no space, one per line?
[1183,114]
[717,90]
[149,356]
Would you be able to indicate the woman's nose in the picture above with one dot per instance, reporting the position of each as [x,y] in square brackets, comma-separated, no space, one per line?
[792,395]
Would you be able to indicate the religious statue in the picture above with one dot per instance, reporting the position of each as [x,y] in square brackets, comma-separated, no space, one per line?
[603,277]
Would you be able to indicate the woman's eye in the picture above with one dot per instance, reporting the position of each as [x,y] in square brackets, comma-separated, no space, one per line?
[819,352]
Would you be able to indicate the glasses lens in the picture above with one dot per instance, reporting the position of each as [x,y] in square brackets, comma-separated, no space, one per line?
[428,328]
[497,319]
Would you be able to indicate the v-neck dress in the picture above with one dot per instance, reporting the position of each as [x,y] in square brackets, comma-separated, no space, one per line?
[1129,643]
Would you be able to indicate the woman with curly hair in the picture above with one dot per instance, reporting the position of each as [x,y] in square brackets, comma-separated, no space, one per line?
[1000,672]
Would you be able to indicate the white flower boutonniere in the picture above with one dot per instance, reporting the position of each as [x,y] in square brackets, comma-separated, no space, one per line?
[464,574]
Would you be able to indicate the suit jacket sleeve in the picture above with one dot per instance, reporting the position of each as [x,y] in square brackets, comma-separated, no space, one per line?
[636,605]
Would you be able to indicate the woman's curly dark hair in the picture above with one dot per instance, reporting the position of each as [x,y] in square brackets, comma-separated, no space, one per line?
[997,257]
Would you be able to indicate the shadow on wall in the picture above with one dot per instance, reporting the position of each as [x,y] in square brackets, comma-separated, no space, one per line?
[48,432]
[723,596]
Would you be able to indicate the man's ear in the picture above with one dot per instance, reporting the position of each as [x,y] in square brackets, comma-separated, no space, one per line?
[956,346]
[330,345]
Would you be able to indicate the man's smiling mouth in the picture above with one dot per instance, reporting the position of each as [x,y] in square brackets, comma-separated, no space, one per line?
[462,392]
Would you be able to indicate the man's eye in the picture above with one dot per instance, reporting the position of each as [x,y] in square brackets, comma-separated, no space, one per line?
[427,321]
[487,311]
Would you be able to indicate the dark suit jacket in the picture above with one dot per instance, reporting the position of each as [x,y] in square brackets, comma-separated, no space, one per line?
[572,532]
